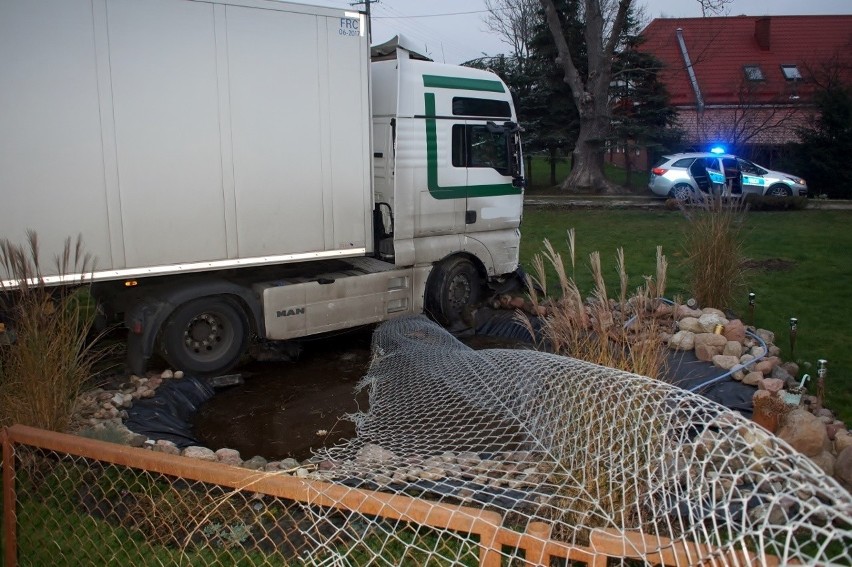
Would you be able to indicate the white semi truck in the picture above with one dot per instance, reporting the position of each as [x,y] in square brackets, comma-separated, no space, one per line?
[241,169]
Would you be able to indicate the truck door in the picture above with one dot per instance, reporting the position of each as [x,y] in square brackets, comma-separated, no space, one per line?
[490,154]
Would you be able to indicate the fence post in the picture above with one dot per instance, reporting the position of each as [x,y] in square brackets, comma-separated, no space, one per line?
[9,502]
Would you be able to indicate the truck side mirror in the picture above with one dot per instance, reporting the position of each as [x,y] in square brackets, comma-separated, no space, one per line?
[513,146]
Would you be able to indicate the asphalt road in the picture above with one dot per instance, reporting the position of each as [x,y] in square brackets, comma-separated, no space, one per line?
[642,202]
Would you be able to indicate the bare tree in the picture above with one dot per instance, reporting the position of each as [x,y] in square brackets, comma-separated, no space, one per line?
[514,21]
[714,7]
[753,120]
[591,94]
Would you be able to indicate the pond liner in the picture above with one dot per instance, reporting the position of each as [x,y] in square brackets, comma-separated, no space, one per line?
[168,415]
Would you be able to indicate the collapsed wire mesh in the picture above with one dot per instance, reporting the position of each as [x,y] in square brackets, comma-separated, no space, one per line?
[544,438]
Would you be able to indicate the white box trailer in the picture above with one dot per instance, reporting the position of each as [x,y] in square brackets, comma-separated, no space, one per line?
[225,164]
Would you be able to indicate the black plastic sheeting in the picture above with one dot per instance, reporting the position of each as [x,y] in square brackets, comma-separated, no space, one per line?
[168,415]
[683,369]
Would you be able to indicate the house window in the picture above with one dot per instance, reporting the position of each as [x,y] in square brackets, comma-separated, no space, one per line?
[753,72]
[791,72]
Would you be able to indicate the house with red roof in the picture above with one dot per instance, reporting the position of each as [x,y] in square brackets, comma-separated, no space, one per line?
[745,81]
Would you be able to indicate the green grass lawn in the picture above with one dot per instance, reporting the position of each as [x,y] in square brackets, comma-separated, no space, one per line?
[538,176]
[815,289]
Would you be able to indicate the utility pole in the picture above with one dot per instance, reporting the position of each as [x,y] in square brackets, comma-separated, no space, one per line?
[366,4]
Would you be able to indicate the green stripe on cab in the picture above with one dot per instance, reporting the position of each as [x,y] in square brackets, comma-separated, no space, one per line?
[440,82]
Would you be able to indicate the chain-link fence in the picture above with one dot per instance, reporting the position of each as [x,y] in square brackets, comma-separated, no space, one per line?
[465,457]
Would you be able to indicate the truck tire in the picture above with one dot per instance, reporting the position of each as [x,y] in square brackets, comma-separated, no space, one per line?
[454,287]
[205,336]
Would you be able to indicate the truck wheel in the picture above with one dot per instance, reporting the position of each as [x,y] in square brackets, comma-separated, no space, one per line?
[205,336]
[454,286]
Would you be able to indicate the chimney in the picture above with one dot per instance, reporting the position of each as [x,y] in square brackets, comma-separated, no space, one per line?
[761,32]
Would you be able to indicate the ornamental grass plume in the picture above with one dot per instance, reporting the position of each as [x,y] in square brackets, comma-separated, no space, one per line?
[48,356]
[626,334]
[713,250]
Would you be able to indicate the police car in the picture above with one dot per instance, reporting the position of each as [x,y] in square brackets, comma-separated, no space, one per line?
[681,176]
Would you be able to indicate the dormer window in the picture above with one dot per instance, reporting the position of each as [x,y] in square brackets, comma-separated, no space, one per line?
[753,73]
[791,72]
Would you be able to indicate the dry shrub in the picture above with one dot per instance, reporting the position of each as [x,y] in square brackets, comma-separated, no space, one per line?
[51,357]
[624,333]
[713,246]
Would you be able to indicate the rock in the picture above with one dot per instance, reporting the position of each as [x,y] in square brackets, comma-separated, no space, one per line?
[781,374]
[686,311]
[432,473]
[843,468]
[757,351]
[733,348]
[745,359]
[826,462]
[289,464]
[804,432]
[663,309]
[753,378]
[201,453]
[832,429]
[725,362]
[372,453]
[178,374]
[713,311]
[767,336]
[708,345]
[136,440]
[682,340]
[774,351]
[842,441]
[826,420]
[166,374]
[771,385]
[766,365]
[302,473]
[229,457]
[792,369]
[164,446]
[739,375]
[690,324]
[274,466]
[256,463]
[735,331]
[708,321]
[516,303]
[468,458]
[448,457]
[825,412]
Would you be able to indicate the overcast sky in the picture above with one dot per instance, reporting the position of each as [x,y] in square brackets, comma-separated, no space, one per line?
[461,35]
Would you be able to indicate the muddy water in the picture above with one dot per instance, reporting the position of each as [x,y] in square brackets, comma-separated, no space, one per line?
[289,409]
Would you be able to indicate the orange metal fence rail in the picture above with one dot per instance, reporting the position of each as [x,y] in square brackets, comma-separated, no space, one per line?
[487,525]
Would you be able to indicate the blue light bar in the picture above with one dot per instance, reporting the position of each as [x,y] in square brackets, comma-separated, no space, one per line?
[717,150]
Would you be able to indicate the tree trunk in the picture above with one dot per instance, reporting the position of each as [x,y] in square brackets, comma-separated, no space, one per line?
[587,173]
[552,167]
[628,164]
[591,94]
